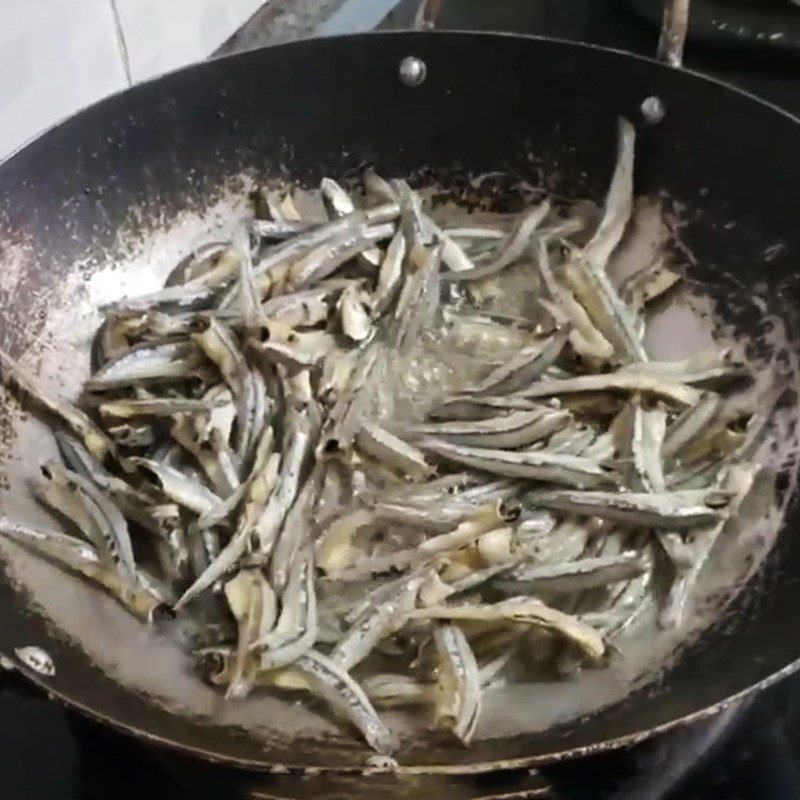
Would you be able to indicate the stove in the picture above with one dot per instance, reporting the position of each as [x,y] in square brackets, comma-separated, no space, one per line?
[749,750]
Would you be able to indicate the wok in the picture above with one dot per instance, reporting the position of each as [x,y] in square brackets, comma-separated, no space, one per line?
[144,161]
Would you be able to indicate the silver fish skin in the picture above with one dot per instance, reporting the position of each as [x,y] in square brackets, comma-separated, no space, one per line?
[97,443]
[459,681]
[666,510]
[339,689]
[672,391]
[300,246]
[510,250]
[515,429]
[572,576]
[75,556]
[523,369]
[111,529]
[538,465]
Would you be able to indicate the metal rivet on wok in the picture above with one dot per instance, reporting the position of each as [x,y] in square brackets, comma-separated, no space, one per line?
[653,109]
[412,71]
[36,659]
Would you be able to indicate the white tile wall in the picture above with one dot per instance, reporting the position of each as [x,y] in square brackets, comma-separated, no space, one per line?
[164,34]
[57,56]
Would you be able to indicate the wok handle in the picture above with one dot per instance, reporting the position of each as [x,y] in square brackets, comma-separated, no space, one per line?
[674,27]
[427,14]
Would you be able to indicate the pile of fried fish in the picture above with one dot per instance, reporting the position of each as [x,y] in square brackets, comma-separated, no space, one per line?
[230,461]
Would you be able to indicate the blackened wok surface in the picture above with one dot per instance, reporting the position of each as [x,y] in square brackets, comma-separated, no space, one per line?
[489,101]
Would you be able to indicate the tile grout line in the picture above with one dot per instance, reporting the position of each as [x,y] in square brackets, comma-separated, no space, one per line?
[123,45]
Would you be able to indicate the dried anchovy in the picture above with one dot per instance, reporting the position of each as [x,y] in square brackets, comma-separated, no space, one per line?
[537,465]
[244,418]
[511,430]
[664,510]
[340,690]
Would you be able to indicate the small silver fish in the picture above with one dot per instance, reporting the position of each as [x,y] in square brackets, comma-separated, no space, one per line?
[669,390]
[665,510]
[340,204]
[690,424]
[192,294]
[524,610]
[365,633]
[326,258]
[302,309]
[574,576]
[147,363]
[296,628]
[512,430]
[509,250]
[391,273]
[97,443]
[335,686]
[477,407]
[419,299]
[179,487]
[523,369]
[459,685]
[540,465]
[94,512]
[154,407]
[388,449]
[271,269]
[480,521]
[79,557]
[354,314]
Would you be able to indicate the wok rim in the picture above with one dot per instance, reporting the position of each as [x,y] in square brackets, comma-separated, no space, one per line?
[455,770]
[396,33]
[452,769]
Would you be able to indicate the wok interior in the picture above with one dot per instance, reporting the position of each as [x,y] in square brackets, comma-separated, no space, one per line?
[154,665]
[51,314]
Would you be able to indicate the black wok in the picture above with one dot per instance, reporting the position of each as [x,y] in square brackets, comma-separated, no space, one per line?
[531,107]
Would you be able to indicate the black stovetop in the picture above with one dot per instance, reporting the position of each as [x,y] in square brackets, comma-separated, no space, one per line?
[750,751]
